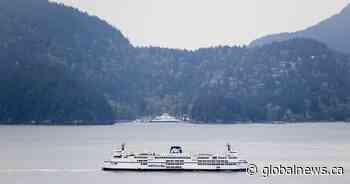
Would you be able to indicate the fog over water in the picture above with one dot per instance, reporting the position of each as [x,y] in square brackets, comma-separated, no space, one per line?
[65,154]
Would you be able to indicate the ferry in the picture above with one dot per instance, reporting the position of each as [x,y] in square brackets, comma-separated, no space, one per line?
[165,118]
[175,160]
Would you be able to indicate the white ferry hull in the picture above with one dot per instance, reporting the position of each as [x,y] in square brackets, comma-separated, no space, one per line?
[174,121]
[162,167]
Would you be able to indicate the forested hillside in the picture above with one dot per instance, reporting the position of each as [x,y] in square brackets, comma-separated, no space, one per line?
[296,80]
[59,65]
[54,61]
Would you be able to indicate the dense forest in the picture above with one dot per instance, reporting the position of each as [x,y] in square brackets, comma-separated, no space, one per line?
[60,65]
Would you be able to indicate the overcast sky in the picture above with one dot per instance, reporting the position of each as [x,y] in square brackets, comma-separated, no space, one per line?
[202,23]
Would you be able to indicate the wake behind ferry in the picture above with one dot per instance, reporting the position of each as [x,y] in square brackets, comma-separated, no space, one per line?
[175,160]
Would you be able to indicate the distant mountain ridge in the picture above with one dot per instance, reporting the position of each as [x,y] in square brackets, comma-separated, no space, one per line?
[61,66]
[333,31]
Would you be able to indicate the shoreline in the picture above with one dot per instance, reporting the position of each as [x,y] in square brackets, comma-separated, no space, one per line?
[193,123]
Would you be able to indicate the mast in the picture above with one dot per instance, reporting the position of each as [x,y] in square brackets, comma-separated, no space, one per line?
[228,145]
[123,147]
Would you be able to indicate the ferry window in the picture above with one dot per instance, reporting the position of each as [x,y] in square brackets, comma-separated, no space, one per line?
[141,157]
[203,157]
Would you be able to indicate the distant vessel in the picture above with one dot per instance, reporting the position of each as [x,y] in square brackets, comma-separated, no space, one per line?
[165,118]
[175,160]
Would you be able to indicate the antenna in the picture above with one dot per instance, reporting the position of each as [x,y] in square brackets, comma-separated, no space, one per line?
[228,145]
[123,146]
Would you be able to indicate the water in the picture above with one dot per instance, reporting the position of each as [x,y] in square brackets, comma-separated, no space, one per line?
[64,154]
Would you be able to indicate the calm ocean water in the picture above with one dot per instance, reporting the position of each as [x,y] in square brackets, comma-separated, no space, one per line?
[72,155]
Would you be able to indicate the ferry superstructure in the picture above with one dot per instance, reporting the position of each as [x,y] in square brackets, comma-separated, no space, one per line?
[175,160]
[165,118]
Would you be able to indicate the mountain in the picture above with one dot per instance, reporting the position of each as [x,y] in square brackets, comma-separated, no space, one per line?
[294,80]
[60,65]
[53,60]
[333,31]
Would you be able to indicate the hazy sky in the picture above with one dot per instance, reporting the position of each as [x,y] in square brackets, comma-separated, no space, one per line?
[202,23]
